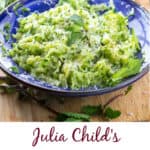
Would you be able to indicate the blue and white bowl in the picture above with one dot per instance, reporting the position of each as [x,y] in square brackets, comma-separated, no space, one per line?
[140,22]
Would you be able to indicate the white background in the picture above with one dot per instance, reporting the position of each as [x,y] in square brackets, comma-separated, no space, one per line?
[19,136]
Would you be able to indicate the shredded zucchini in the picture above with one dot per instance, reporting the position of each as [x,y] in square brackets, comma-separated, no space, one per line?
[73,46]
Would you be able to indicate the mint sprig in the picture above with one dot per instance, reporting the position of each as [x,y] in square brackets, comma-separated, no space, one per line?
[104,112]
[9,86]
[92,110]
[109,113]
[69,116]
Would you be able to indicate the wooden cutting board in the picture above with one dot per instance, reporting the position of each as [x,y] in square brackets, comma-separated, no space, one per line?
[134,107]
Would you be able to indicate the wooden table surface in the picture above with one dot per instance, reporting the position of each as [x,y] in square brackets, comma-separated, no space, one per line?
[134,107]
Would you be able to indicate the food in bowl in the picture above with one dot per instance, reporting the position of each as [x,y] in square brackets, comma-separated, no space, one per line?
[75,46]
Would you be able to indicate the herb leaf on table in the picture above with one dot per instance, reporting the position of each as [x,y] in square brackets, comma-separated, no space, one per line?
[109,113]
[92,110]
[85,114]
[66,116]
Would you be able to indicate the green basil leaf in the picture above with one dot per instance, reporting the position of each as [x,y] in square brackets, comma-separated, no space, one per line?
[74,36]
[77,116]
[61,117]
[14,69]
[25,9]
[7,27]
[132,68]
[128,89]
[111,114]
[73,120]
[77,20]
[92,110]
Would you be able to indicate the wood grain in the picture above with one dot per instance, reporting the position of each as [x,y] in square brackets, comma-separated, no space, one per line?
[134,107]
